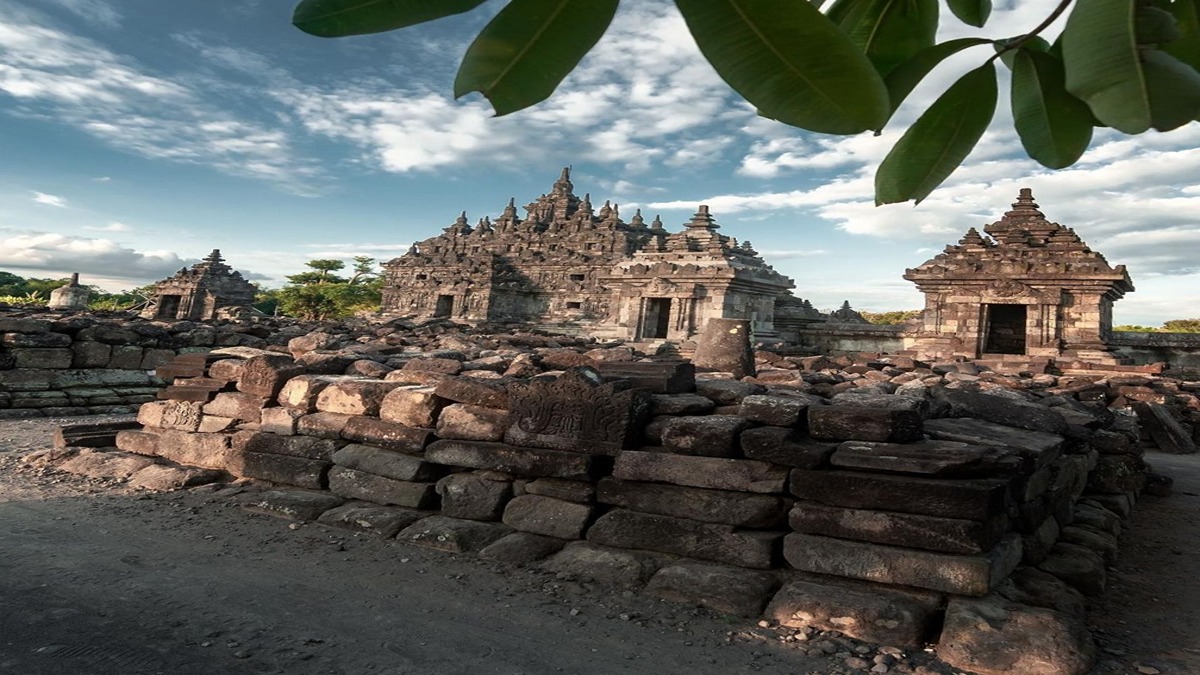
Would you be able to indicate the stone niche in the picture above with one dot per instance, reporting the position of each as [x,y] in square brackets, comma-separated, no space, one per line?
[210,289]
[1031,289]
[569,267]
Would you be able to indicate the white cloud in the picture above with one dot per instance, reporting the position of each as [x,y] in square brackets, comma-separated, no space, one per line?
[26,250]
[111,227]
[49,200]
[94,11]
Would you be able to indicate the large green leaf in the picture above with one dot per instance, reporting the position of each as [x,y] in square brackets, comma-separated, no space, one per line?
[905,77]
[937,143]
[1187,20]
[972,12]
[338,18]
[1054,126]
[1102,63]
[1174,90]
[790,61]
[889,32]
[529,47]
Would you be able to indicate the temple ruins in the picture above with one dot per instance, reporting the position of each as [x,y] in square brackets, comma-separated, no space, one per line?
[208,290]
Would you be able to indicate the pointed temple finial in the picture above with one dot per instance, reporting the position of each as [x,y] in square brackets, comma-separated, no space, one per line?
[462,219]
[637,220]
[703,220]
[214,257]
[657,223]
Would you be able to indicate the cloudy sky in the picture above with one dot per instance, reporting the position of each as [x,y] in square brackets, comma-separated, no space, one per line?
[137,135]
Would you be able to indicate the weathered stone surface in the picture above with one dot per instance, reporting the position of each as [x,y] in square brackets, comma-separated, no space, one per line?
[673,377]
[548,516]
[160,478]
[181,415]
[280,421]
[681,404]
[452,535]
[387,435]
[475,495]
[1158,423]
[265,375]
[97,464]
[319,363]
[229,370]
[412,406]
[354,396]
[305,447]
[784,446]
[962,574]
[381,521]
[301,392]
[292,504]
[298,471]
[706,472]
[569,490]
[1033,587]
[353,484]
[90,354]
[138,442]
[728,392]
[711,506]
[1117,474]
[323,424]
[973,499]
[1101,542]
[1080,567]
[931,533]
[521,548]
[705,436]
[435,365]
[871,612]
[731,590]
[126,357]
[611,566]
[1038,448]
[992,636]
[207,451]
[518,461]
[214,424]
[49,357]
[622,528]
[925,457]
[472,423]
[1004,411]
[486,393]
[236,405]
[724,346]
[387,463]
[852,423]
[577,411]
[779,411]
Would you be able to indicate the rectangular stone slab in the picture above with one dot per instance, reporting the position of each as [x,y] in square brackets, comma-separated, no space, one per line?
[925,457]
[871,612]
[743,475]
[973,575]
[514,459]
[1037,447]
[622,528]
[353,484]
[705,505]
[931,533]
[969,498]
[297,471]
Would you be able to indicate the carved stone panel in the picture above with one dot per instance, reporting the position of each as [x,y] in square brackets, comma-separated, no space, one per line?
[577,411]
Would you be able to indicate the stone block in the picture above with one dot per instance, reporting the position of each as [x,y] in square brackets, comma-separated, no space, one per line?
[705,436]
[472,423]
[730,590]
[306,447]
[153,358]
[412,406]
[521,548]
[1003,411]
[784,446]
[301,392]
[354,396]
[728,392]
[301,505]
[576,411]
[741,475]
[265,375]
[866,611]
[970,498]
[98,464]
[1033,587]
[387,463]
[353,484]
[548,516]
[610,566]
[374,431]
[161,478]
[207,451]
[138,442]
[961,574]
[778,411]
[326,363]
[681,404]
[11,340]
[945,459]
[485,393]
[451,535]
[322,424]
[126,357]
[569,490]
[711,506]
[852,423]
[210,424]
[671,377]
[930,533]
[90,355]
[1118,474]
[42,358]
[297,471]
[381,521]
[236,405]
[1159,424]
[518,461]
[1078,566]
[724,544]
[23,325]
[280,421]
[1038,448]
[474,496]
[724,346]
[992,636]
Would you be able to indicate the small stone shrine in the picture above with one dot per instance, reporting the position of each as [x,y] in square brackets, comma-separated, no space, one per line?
[71,296]
[208,290]
[570,267]
[1031,287]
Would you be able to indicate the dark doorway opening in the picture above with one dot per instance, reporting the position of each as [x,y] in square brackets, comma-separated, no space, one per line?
[657,319]
[445,306]
[1005,329]
[168,306]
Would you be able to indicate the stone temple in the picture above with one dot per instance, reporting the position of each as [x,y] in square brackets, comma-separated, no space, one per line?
[210,289]
[1030,287]
[569,267]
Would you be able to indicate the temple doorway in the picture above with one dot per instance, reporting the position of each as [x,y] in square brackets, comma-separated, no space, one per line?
[168,306]
[656,318]
[445,306]
[1005,329]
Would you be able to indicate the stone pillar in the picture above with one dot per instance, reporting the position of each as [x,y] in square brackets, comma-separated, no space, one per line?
[71,296]
[725,347]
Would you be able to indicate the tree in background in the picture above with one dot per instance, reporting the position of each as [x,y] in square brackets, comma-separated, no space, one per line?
[1172,326]
[319,294]
[891,318]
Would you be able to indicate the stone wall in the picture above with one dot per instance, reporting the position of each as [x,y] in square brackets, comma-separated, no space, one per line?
[890,500]
[1181,350]
[846,338]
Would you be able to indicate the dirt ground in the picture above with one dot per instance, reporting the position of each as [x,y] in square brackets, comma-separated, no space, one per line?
[98,578]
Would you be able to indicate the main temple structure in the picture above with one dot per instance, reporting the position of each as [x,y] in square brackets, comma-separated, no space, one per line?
[569,266]
[207,290]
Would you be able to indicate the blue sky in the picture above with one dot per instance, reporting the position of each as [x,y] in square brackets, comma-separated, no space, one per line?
[137,135]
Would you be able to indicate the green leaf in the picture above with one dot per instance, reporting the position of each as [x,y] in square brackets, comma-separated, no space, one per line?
[971,12]
[1174,90]
[1103,68]
[937,143]
[1187,20]
[889,32]
[905,77]
[1153,26]
[1054,126]
[338,18]
[790,61]
[1007,54]
[528,48]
